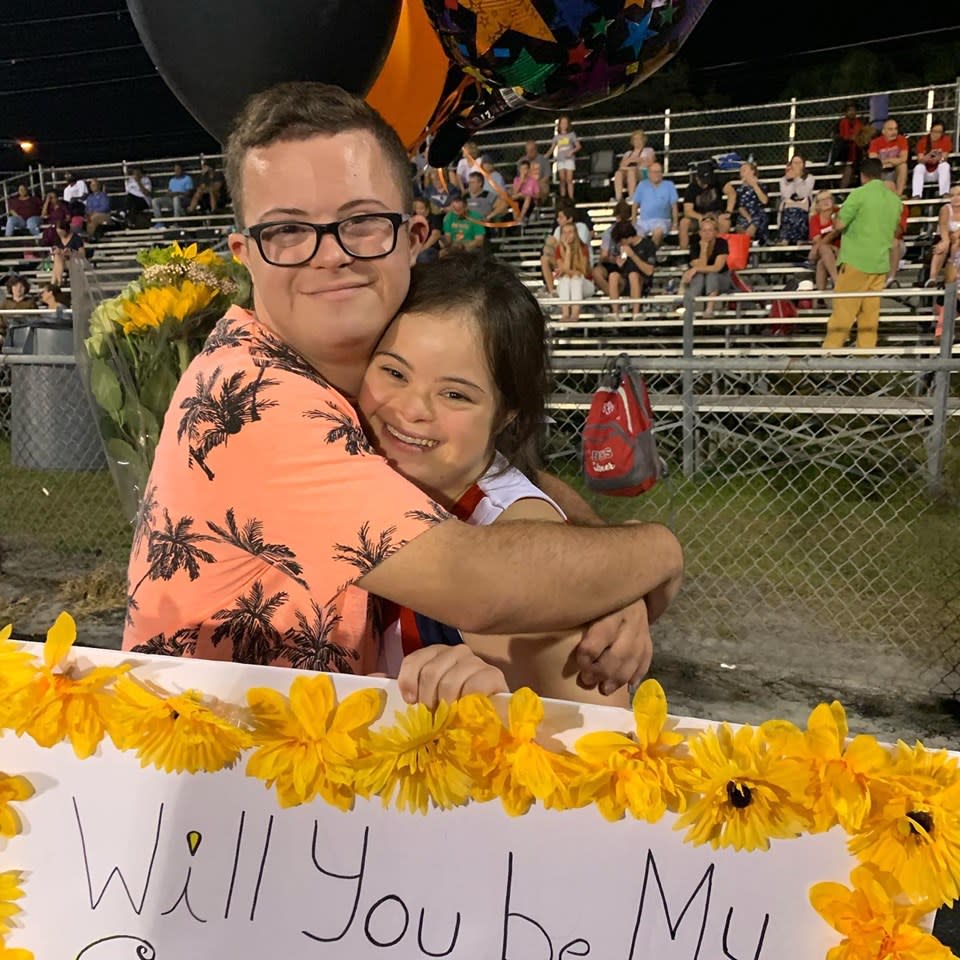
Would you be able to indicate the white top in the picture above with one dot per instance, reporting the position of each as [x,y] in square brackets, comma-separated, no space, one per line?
[75,191]
[134,189]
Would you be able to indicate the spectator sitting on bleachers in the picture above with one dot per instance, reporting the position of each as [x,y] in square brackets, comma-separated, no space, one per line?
[55,213]
[655,205]
[892,150]
[948,228]
[74,193]
[708,271]
[796,192]
[209,188]
[24,212]
[634,166]
[824,238]
[16,299]
[460,230]
[849,146]
[430,250]
[496,186]
[610,256]
[564,149]
[480,201]
[461,173]
[532,154]
[138,192]
[702,198]
[439,195]
[68,243]
[747,203]
[636,258]
[573,266]
[97,207]
[933,165]
[53,298]
[179,190]
[526,189]
[566,213]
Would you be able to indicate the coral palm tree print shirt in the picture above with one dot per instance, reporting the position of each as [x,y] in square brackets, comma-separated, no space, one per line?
[264,505]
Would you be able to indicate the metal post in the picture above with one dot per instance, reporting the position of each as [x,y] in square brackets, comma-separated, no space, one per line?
[931,102]
[689,416]
[792,132]
[40,177]
[666,139]
[936,442]
[956,109]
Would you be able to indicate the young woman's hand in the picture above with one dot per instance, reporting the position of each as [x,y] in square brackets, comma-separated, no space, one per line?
[440,672]
[689,275]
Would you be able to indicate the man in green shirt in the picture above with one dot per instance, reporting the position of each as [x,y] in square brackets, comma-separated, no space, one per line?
[868,219]
[460,231]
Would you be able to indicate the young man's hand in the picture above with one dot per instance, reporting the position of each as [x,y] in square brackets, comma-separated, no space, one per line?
[616,649]
[441,672]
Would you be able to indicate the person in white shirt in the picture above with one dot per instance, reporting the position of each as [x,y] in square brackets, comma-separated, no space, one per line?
[75,192]
[139,191]
[548,259]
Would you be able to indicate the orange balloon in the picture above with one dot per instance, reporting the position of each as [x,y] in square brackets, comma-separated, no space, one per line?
[408,88]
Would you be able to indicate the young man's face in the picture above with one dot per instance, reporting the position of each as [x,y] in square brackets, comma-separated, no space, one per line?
[334,308]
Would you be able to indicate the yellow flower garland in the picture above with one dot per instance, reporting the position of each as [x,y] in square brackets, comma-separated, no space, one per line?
[742,788]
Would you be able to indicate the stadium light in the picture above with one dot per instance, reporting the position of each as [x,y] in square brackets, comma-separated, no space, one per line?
[27,146]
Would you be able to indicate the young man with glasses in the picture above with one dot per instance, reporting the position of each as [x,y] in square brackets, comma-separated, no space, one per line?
[266,509]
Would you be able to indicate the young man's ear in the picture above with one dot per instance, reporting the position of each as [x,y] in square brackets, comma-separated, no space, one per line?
[237,243]
[417,230]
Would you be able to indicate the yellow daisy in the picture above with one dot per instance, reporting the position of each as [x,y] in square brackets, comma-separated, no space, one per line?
[17,669]
[10,892]
[844,774]
[14,953]
[637,773]
[747,794]
[424,760]
[508,763]
[309,745]
[914,829]
[176,734]
[12,789]
[58,704]
[875,922]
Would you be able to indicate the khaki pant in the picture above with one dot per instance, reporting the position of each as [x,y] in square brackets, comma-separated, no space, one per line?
[865,310]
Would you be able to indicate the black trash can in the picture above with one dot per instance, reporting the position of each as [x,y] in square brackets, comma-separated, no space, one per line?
[52,426]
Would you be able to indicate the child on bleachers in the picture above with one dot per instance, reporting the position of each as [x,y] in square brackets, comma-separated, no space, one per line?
[573,264]
[634,260]
[526,188]
[796,192]
[564,147]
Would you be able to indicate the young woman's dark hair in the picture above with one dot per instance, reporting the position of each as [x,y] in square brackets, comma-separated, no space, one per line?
[511,327]
[13,280]
[58,294]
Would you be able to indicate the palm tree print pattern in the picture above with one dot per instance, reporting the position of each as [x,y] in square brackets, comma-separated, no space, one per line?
[172,548]
[183,643]
[249,538]
[249,625]
[308,645]
[210,418]
[436,514]
[368,553]
[270,351]
[146,515]
[226,335]
[345,429]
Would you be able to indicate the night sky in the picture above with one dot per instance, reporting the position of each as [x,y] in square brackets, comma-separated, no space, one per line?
[102,98]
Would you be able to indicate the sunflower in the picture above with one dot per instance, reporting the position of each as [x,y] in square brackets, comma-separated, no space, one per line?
[10,892]
[637,773]
[747,794]
[12,789]
[424,759]
[309,745]
[845,775]
[154,306]
[914,829]
[509,764]
[58,704]
[205,258]
[176,734]
[14,953]
[17,669]
[874,921]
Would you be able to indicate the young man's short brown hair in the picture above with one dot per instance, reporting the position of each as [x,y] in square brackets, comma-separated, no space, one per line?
[300,110]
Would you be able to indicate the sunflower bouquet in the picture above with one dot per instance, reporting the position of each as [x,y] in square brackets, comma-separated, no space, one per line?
[142,341]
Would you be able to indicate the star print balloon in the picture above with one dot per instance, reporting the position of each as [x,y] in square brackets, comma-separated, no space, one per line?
[558,54]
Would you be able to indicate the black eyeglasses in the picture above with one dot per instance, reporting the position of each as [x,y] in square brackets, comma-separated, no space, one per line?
[292,243]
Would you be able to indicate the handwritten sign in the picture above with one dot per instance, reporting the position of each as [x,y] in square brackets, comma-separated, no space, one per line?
[122,862]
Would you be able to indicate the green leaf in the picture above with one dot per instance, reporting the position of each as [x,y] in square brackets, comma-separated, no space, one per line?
[121,452]
[158,390]
[105,386]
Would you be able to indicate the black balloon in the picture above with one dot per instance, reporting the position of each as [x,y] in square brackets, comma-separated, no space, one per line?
[213,54]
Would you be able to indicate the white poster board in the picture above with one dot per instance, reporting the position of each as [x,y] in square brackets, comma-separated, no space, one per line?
[121,862]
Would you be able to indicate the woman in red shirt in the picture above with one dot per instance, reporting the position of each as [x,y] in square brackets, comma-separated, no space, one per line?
[933,165]
[825,238]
